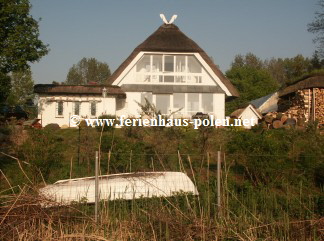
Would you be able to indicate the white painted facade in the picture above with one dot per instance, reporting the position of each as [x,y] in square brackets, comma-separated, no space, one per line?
[49,110]
[248,113]
[172,69]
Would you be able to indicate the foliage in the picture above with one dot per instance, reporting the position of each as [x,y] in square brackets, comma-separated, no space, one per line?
[255,78]
[22,88]
[267,187]
[19,42]
[106,126]
[278,155]
[251,80]
[288,70]
[43,151]
[52,127]
[317,27]
[5,87]
[88,70]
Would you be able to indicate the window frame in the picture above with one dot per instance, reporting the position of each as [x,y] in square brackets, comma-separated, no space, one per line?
[91,108]
[57,109]
[75,104]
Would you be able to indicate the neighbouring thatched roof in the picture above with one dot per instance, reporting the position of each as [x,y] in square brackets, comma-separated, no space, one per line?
[169,38]
[311,81]
[52,89]
[237,113]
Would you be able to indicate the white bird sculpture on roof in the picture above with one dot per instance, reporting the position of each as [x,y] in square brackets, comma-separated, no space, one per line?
[166,21]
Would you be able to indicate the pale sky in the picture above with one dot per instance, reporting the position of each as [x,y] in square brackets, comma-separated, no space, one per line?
[109,30]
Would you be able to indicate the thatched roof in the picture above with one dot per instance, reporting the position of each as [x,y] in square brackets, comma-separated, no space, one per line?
[169,38]
[237,113]
[52,89]
[310,81]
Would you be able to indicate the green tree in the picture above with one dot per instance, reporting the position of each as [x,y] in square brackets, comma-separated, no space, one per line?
[316,62]
[251,79]
[22,88]
[88,70]
[5,86]
[296,67]
[317,27]
[19,41]
[288,70]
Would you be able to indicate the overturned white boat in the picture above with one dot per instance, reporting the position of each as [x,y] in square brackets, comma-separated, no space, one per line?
[120,186]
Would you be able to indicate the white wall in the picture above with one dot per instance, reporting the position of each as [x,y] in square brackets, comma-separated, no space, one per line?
[47,110]
[131,108]
[248,113]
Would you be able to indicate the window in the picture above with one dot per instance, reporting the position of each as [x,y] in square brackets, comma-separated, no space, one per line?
[207,102]
[93,108]
[178,100]
[59,108]
[77,106]
[146,95]
[180,63]
[163,103]
[120,103]
[144,64]
[157,63]
[159,68]
[193,65]
[168,63]
[193,102]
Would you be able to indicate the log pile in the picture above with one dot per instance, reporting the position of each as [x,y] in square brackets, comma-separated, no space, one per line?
[276,120]
[319,105]
[303,105]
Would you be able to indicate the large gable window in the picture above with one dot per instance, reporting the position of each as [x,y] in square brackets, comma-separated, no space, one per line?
[144,64]
[180,64]
[168,63]
[178,68]
[157,63]
[193,65]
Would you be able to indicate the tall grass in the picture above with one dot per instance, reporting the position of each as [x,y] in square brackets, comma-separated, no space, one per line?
[246,213]
[270,186]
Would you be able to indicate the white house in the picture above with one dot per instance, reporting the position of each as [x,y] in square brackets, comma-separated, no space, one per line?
[57,103]
[172,72]
[247,113]
[168,69]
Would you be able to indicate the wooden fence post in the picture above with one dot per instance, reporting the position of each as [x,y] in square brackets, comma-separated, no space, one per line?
[219,181]
[96,186]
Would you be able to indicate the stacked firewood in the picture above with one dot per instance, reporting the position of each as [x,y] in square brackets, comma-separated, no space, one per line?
[276,120]
[301,106]
[319,105]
